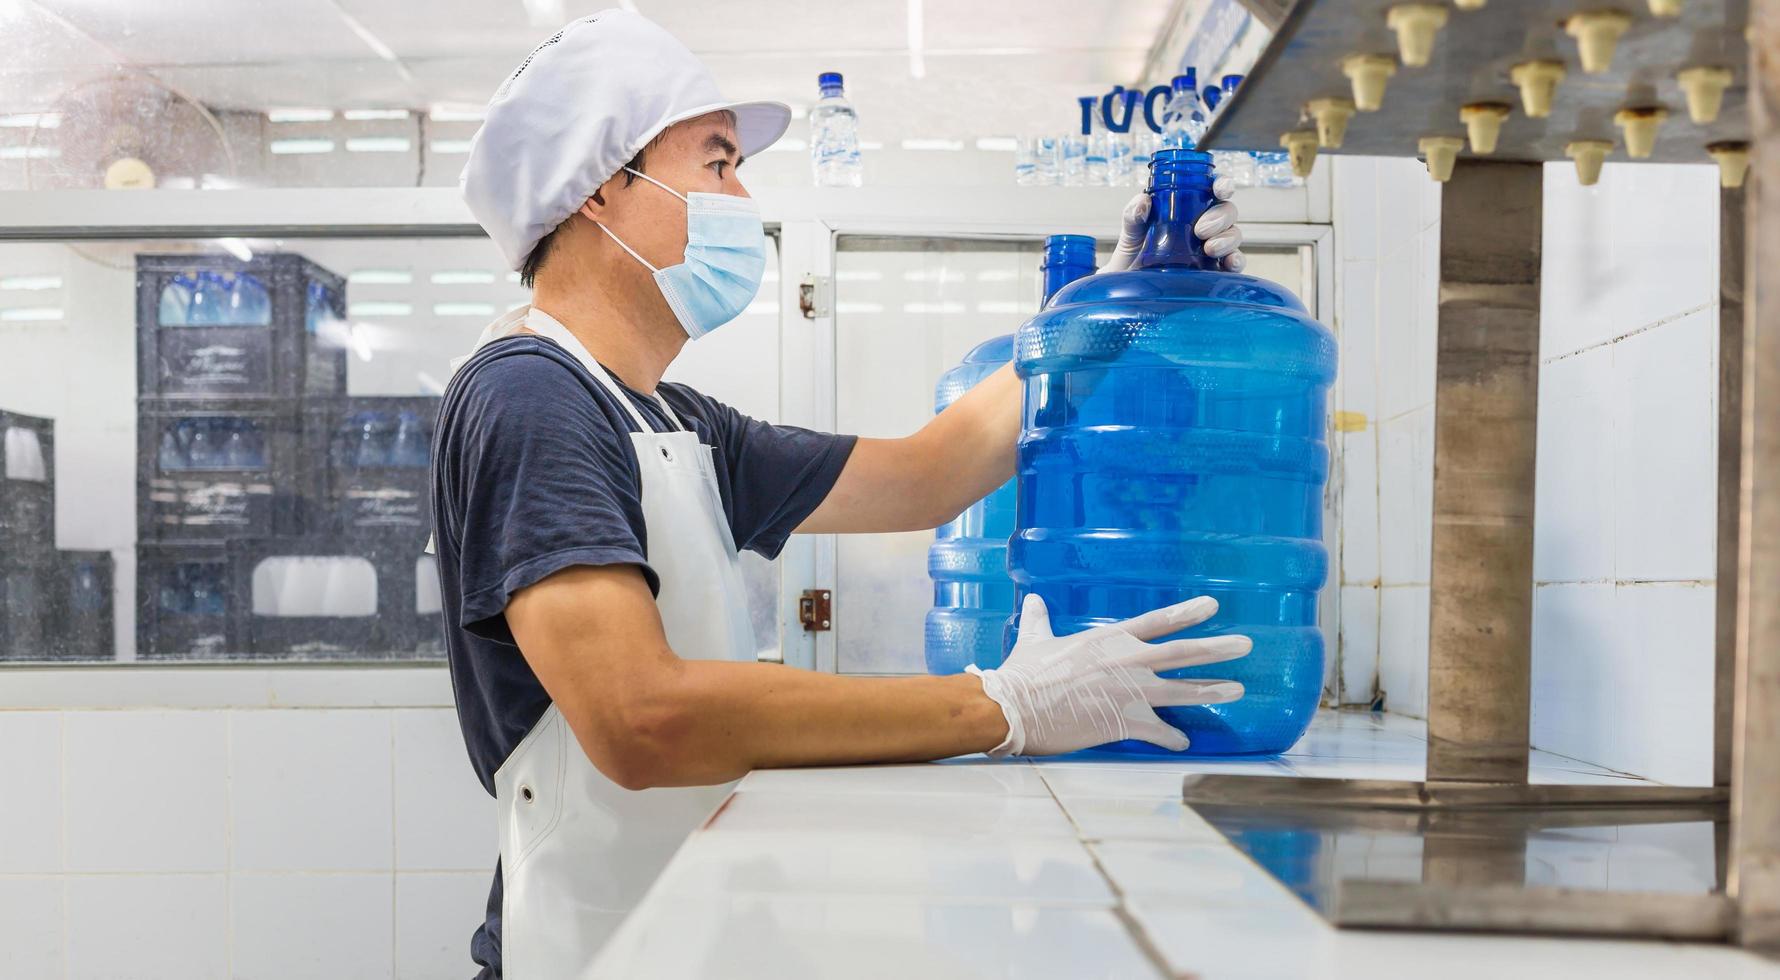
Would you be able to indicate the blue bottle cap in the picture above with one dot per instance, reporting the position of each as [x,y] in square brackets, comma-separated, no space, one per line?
[1230,83]
[829,79]
[1184,83]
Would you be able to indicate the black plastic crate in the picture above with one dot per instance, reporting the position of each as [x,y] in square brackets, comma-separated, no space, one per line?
[370,457]
[187,602]
[288,587]
[212,326]
[27,484]
[218,469]
[81,597]
[25,613]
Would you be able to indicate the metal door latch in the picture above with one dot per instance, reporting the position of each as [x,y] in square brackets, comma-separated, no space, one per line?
[815,296]
[814,610]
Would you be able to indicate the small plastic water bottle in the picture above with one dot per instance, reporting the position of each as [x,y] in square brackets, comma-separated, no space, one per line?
[834,136]
[1183,123]
[1096,166]
[1238,165]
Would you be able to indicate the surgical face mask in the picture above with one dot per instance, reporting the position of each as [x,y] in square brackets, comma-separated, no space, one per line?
[725,259]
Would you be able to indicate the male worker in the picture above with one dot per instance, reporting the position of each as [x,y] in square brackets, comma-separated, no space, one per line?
[587,516]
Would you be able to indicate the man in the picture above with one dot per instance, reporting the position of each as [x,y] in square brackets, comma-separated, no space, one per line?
[588,516]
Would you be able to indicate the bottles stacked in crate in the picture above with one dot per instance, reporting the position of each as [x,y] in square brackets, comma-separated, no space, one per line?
[54,605]
[277,516]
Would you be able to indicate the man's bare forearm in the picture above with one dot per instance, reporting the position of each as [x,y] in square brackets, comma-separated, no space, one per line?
[647,717]
[735,717]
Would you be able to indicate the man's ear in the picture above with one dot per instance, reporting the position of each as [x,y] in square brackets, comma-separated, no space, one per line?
[594,208]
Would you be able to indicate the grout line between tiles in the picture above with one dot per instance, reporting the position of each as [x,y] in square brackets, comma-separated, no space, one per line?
[1139,935]
[1609,342]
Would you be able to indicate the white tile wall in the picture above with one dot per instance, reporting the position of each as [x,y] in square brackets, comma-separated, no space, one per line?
[1359,643]
[1406,497]
[31,928]
[1403,648]
[1573,501]
[444,820]
[1665,383]
[1358,464]
[311,790]
[141,802]
[313,926]
[435,915]
[1639,247]
[31,819]
[147,927]
[145,790]
[1358,335]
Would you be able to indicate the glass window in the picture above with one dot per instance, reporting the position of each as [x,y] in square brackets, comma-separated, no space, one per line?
[906,310]
[218,450]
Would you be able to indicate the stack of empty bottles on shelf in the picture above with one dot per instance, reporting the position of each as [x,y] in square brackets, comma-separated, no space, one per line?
[1121,131]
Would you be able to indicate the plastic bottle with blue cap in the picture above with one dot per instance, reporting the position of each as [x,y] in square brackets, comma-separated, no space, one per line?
[834,135]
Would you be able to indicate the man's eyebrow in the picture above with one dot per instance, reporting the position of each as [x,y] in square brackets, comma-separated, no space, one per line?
[722,143]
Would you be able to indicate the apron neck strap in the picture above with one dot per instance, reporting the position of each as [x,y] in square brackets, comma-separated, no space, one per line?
[544,324]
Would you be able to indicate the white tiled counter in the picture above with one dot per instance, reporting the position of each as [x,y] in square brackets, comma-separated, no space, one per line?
[1071,870]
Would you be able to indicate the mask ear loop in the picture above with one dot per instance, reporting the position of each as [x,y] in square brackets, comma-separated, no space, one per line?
[601,226]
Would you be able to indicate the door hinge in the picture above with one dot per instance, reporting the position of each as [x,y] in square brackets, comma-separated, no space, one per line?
[815,610]
[815,296]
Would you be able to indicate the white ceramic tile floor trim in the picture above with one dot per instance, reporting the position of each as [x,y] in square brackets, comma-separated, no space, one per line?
[1070,868]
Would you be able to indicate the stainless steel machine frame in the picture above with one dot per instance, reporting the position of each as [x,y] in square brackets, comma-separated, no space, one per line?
[1480,649]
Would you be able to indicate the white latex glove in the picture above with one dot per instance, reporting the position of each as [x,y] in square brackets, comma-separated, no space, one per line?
[1216,228]
[1063,693]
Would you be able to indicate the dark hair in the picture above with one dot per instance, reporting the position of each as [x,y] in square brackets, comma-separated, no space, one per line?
[528,273]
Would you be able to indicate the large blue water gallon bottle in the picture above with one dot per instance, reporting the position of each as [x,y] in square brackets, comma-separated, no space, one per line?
[1173,446]
[972,594]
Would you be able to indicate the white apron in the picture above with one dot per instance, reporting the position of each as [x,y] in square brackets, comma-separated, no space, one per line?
[577,851]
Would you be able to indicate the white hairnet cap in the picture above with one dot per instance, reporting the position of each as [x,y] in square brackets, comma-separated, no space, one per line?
[576,110]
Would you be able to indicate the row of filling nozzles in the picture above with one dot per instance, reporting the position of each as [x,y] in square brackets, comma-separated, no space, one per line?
[1597,34]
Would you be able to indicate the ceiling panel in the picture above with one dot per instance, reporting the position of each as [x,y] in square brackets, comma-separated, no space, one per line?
[991,68]
[216,31]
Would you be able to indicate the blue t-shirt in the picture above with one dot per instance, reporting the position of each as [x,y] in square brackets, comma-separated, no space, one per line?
[534,472]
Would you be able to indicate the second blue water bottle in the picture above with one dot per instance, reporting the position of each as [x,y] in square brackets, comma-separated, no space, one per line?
[972,594]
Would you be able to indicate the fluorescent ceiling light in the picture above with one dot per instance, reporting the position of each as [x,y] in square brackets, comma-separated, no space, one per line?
[365,115]
[858,275]
[870,145]
[451,146]
[799,111]
[512,277]
[844,306]
[933,308]
[31,282]
[379,309]
[31,314]
[787,145]
[300,115]
[932,144]
[30,152]
[31,120]
[237,248]
[461,277]
[998,144]
[998,306]
[463,309]
[454,113]
[544,13]
[917,55]
[283,147]
[378,144]
[380,277]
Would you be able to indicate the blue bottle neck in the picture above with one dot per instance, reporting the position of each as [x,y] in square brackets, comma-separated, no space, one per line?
[1067,258]
[1180,191]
